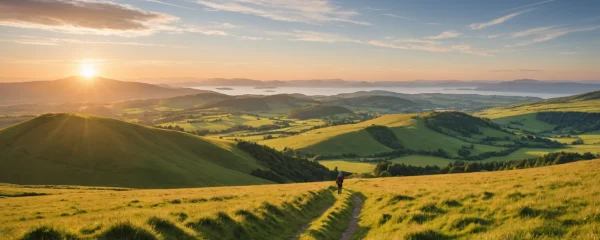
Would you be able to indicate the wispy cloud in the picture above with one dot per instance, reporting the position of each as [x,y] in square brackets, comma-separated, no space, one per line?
[306,11]
[494,36]
[568,53]
[532,31]
[374,9]
[30,40]
[87,17]
[398,16]
[434,47]
[528,5]
[446,34]
[542,34]
[478,26]
[171,4]
[312,36]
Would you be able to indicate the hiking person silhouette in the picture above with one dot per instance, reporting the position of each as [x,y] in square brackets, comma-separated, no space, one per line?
[339,181]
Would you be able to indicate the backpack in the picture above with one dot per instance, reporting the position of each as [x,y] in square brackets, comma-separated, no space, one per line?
[340,179]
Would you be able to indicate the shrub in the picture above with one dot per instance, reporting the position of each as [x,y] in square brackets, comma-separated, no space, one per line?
[385,174]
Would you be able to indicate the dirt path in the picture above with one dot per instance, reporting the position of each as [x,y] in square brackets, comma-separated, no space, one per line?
[358,202]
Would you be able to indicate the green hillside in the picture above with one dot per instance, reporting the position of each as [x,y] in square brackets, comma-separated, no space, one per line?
[388,103]
[410,130]
[587,102]
[189,101]
[317,111]
[87,150]
[282,102]
[573,114]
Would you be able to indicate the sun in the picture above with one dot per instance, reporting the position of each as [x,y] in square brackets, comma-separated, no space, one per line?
[88,70]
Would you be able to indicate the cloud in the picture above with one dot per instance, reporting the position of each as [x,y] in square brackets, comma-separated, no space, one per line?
[528,5]
[568,53]
[542,34]
[433,47]
[312,36]
[170,4]
[532,31]
[478,26]
[494,36]
[374,9]
[398,16]
[305,11]
[446,34]
[30,40]
[83,17]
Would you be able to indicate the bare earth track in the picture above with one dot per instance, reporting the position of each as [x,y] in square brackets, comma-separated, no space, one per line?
[358,202]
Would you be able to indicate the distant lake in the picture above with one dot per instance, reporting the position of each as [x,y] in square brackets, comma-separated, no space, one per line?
[311,91]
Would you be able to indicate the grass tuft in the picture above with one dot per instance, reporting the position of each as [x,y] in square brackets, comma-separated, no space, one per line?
[427,235]
[47,233]
[126,230]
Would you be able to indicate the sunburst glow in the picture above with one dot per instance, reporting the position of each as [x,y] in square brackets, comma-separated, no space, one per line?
[88,70]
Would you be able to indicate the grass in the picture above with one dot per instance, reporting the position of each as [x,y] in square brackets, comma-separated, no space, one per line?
[66,149]
[526,122]
[352,138]
[542,106]
[557,202]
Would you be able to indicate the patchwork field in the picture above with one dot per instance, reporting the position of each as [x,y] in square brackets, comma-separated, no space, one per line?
[558,202]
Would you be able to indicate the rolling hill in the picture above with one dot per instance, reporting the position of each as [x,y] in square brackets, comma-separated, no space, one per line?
[78,149]
[376,101]
[532,117]
[317,111]
[78,89]
[410,130]
[281,102]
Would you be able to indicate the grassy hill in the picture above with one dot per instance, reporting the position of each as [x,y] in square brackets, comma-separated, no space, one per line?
[557,202]
[389,103]
[533,117]
[587,102]
[317,111]
[410,129]
[280,102]
[87,150]
[78,89]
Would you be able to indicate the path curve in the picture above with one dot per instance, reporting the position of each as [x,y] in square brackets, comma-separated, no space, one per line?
[358,203]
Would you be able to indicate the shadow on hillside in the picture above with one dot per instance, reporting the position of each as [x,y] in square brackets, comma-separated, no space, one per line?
[267,221]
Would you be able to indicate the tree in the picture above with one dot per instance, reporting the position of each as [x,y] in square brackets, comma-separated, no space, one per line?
[385,174]
[463,152]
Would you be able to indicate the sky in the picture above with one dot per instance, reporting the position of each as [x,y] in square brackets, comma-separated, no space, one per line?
[379,40]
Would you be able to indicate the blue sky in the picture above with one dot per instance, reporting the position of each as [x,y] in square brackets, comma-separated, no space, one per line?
[289,39]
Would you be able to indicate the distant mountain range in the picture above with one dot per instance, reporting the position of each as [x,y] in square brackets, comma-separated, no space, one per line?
[521,85]
[77,89]
[536,86]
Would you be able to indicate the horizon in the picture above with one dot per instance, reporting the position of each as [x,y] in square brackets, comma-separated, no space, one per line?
[287,40]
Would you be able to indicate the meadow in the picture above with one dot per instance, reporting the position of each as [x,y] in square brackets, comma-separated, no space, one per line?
[557,202]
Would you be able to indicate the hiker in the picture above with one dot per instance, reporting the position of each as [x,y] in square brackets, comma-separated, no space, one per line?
[339,181]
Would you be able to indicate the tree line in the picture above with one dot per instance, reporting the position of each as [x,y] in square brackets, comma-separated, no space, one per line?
[386,168]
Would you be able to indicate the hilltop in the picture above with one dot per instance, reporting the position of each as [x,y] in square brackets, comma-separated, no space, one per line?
[87,150]
[78,89]
[546,115]
[318,111]
[411,131]
[262,103]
